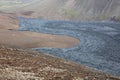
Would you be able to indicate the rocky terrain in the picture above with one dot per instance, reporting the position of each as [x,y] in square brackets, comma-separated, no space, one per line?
[21,64]
[99,45]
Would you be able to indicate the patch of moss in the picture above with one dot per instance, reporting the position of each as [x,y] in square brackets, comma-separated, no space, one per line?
[71,13]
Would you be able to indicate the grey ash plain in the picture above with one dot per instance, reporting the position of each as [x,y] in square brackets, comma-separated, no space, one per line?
[99,45]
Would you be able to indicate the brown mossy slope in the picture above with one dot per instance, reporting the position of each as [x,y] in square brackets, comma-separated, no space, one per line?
[8,21]
[34,40]
[19,64]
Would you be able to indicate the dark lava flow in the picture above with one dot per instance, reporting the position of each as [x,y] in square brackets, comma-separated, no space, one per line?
[99,42]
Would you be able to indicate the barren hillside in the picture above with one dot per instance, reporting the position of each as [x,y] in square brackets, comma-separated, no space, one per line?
[66,9]
[75,9]
[19,64]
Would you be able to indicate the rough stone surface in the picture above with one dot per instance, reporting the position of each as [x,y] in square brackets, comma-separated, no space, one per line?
[99,45]
[20,64]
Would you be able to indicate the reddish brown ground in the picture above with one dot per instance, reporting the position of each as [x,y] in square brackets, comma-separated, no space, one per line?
[19,64]
[33,40]
[8,21]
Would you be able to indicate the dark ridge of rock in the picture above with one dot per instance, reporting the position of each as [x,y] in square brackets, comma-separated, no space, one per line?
[28,13]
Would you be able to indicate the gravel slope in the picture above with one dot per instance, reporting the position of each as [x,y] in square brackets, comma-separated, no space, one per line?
[20,64]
